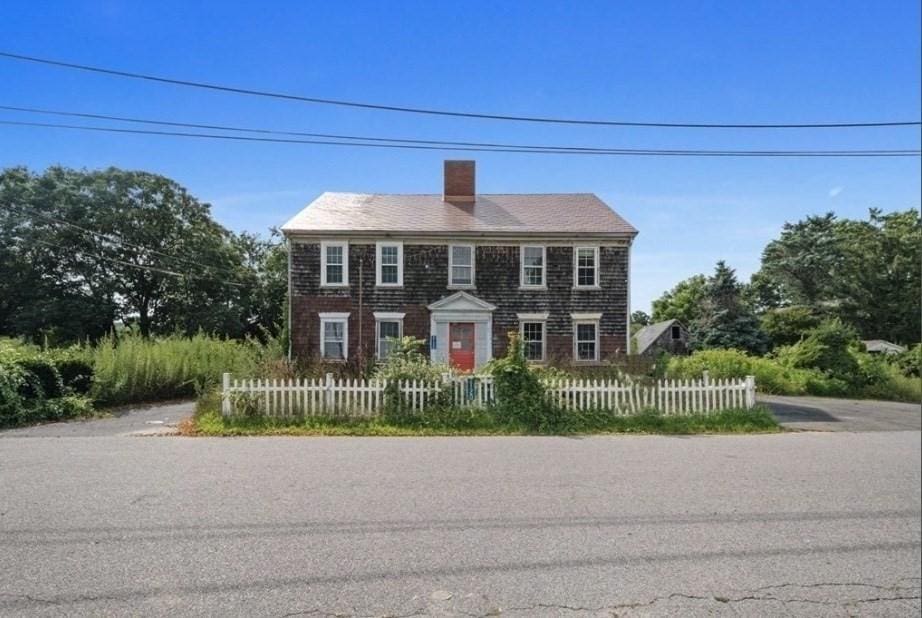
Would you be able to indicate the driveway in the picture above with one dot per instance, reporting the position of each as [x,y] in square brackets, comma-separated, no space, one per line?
[825,414]
[136,420]
[800,524]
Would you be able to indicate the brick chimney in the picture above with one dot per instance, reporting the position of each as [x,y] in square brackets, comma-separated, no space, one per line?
[459,182]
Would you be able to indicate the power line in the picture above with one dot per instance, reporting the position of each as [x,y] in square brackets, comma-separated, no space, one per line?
[156,269]
[117,239]
[262,131]
[439,112]
[34,110]
[612,152]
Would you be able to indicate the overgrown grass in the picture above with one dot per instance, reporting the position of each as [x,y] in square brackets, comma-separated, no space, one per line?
[133,369]
[875,378]
[452,422]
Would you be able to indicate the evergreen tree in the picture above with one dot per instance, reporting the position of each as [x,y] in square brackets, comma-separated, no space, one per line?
[725,321]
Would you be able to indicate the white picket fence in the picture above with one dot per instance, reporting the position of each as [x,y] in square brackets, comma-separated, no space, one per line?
[366,398]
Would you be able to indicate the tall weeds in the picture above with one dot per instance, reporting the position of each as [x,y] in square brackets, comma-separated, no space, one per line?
[129,368]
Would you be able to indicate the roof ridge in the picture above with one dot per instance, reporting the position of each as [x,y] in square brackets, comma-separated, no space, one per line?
[437,194]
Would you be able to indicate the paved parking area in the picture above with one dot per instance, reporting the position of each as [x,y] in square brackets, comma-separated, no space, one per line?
[825,414]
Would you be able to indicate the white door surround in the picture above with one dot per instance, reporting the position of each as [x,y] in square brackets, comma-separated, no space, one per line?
[461,307]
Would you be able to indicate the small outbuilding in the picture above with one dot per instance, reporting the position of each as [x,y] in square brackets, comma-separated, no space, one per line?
[668,336]
[879,346]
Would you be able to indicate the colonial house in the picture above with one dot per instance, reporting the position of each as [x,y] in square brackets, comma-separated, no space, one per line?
[459,270]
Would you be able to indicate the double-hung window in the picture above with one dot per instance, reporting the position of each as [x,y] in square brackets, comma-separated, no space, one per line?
[533,341]
[532,328]
[389,260]
[334,336]
[388,328]
[534,260]
[586,336]
[586,267]
[334,264]
[461,265]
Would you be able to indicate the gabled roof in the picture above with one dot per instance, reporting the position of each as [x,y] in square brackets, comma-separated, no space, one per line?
[647,335]
[559,214]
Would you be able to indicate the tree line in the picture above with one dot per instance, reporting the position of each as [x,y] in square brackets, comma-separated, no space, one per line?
[866,274]
[82,252]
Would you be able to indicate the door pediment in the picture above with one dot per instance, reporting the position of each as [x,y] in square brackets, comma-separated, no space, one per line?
[461,302]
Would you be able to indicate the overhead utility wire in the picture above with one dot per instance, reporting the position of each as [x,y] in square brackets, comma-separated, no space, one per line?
[623,152]
[440,112]
[163,271]
[124,243]
[261,131]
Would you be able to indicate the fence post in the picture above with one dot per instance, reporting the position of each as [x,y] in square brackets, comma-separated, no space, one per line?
[328,393]
[225,394]
[750,391]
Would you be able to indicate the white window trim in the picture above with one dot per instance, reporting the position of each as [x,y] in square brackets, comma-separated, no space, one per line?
[389,316]
[522,283]
[340,317]
[535,318]
[323,264]
[577,322]
[382,316]
[585,317]
[451,264]
[378,265]
[595,284]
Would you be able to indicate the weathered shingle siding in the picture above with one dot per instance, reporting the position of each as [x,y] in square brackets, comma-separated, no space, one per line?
[665,343]
[497,273]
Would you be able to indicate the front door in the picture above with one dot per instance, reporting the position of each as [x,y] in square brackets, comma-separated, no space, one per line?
[461,345]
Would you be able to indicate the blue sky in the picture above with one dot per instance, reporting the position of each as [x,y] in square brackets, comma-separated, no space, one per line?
[686,61]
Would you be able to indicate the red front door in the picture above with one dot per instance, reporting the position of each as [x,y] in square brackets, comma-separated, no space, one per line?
[461,345]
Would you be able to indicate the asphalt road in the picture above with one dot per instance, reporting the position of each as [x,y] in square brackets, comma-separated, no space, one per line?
[794,413]
[825,414]
[138,420]
[804,524]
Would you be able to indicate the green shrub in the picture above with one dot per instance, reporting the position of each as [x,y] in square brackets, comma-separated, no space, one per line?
[770,376]
[12,378]
[867,376]
[75,366]
[520,395]
[910,361]
[822,385]
[44,381]
[887,382]
[828,348]
[76,374]
[788,325]
[64,408]
[406,362]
